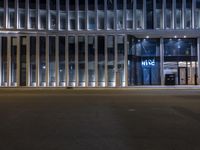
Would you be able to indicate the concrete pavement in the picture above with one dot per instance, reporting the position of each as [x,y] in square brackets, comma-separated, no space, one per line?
[60,119]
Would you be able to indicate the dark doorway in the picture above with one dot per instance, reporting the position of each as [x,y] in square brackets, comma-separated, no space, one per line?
[22,61]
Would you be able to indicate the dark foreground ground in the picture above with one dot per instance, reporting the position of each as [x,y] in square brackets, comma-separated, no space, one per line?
[128,119]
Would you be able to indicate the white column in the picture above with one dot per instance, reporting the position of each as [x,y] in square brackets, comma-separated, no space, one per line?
[57,61]
[126,60]
[162,61]
[198,57]
[47,60]
[86,61]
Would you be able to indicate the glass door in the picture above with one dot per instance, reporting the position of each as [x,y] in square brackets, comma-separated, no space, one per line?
[182,75]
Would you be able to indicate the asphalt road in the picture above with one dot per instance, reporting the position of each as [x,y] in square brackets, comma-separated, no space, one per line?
[61,119]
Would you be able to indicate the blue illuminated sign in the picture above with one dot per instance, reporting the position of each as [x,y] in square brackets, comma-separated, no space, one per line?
[148,62]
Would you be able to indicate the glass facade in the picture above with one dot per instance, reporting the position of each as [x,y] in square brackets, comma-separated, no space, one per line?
[99,43]
[144,62]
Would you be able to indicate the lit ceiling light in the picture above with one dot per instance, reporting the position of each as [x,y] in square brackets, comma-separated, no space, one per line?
[175,36]
[184,36]
[147,37]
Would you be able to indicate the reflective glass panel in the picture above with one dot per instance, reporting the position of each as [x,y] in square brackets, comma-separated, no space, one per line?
[120,61]
[4,61]
[101,61]
[52,65]
[42,65]
[62,72]
[178,14]
[197,14]
[111,60]
[71,55]
[33,61]
[139,14]
[13,61]
[91,61]
[159,14]
[188,14]
[81,60]
[149,21]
